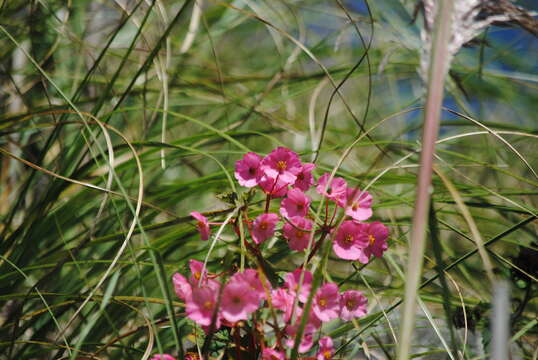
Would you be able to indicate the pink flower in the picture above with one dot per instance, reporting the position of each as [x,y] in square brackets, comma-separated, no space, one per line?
[298,232]
[352,304]
[252,279]
[326,348]
[246,169]
[295,204]
[304,178]
[283,300]
[326,304]
[264,227]
[313,319]
[282,163]
[203,225]
[276,187]
[201,305]
[306,342]
[272,354]
[238,301]
[336,190]
[182,287]
[293,279]
[377,238]
[358,204]
[351,241]
[196,268]
[162,357]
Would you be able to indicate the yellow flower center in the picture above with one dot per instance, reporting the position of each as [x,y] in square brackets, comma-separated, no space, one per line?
[264,226]
[327,354]
[371,238]
[299,234]
[322,302]
[348,238]
[197,275]
[201,225]
[281,165]
[208,305]
[350,304]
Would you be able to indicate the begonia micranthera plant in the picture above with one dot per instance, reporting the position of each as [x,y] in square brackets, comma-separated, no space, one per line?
[247,302]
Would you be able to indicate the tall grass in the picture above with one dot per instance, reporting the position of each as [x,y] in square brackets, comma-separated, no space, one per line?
[439,63]
[119,118]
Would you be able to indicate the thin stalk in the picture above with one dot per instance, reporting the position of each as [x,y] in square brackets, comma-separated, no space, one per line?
[434,98]
[500,321]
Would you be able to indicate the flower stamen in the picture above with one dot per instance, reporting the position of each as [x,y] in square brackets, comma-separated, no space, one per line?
[208,305]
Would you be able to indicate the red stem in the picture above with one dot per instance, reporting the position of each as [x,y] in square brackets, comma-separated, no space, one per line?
[237,341]
[267,202]
[317,246]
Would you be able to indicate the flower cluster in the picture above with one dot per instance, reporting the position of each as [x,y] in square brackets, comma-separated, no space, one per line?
[281,174]
[245,292]
[282,177]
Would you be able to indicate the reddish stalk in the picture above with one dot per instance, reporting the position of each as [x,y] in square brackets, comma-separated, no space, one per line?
[268,198]
[317,245]
[438,69]
[237,341]
[267,202]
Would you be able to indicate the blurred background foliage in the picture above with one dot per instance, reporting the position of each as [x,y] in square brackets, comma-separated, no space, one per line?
[86,83]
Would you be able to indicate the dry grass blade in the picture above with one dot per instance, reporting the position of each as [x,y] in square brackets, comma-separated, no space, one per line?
[434,98]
